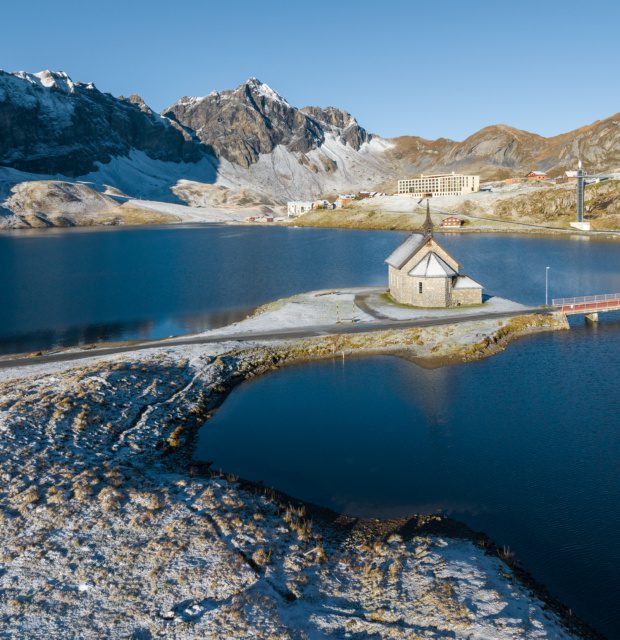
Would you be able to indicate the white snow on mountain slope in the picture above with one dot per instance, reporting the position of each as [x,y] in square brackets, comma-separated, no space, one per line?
[140,176]
[282,175]
[34,96]
[57,79]
[189,100]
[48,79]
[266,91]
[278,151]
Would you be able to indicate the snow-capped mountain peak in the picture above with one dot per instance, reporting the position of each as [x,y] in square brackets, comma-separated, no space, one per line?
[252,120]
[265,90]
[45,116]
[56,79]
[49,80]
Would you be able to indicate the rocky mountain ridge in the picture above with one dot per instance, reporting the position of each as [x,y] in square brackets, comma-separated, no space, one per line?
[500,151]
[52,125]
[253,119]
[250,138]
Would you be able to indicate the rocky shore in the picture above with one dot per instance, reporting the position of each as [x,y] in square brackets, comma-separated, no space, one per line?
[109,529]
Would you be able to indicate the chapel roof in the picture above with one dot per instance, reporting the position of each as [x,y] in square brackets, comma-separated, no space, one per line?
[405,251]
[432,266]
[465,282]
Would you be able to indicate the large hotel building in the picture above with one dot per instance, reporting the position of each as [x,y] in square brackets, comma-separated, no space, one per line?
[444,184]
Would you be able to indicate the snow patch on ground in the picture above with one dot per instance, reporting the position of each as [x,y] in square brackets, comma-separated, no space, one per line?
[102,523]
[379,302]
[185,213]
[140,176]
[316,308]
[347,306]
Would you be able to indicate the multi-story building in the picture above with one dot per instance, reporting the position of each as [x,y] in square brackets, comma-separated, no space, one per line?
[444,184]
[297,207]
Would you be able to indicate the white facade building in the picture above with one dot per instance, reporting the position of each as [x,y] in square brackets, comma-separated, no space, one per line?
[297,207]
[444,184]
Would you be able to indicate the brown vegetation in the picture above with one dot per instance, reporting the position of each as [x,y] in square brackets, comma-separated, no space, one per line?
[559,205]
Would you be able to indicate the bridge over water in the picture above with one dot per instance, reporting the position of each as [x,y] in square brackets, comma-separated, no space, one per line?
[590,306]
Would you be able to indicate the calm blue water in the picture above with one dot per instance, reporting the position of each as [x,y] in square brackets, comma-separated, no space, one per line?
[524,446]
[64,287]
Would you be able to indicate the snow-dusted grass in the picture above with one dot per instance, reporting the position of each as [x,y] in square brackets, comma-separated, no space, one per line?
[106,534]
[316,308]
[484,201]
[486,211]
[184,213]
[347,306]
[383,304]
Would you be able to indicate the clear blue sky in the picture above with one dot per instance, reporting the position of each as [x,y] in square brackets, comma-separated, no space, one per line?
[424,68]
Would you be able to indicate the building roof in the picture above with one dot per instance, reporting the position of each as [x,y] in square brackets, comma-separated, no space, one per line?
[406,250]
[465,282]
[432,266]
[537,173]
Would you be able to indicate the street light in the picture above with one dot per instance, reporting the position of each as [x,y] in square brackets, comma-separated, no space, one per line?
[546,286]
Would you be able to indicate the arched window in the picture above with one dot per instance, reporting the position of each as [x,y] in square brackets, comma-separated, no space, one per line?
[419,287]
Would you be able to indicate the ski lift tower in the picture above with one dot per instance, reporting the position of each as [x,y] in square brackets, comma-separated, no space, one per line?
[581,184]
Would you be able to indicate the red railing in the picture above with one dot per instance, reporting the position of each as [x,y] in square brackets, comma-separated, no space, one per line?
[588,304]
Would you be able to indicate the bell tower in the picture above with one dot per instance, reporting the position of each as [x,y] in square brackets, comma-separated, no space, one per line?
[427,226]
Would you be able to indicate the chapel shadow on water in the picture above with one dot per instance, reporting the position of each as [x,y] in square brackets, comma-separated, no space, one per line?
[429,389]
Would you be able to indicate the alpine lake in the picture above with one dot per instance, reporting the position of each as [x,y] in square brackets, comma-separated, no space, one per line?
[523,446]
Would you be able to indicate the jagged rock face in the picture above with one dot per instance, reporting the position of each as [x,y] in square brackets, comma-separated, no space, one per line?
[341,123]
[49,124]
[253,119]
[52,125]
[597,145]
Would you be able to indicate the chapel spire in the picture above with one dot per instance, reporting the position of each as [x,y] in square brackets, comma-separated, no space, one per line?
[427,227]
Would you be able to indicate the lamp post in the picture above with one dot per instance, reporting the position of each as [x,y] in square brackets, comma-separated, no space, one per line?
[546,286]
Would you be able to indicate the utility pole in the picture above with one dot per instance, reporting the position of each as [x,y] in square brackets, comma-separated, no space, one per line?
[580,224]
[546,286]
[581,183]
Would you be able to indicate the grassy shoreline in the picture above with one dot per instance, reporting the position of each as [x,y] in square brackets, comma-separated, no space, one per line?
[392,221]
[176,543]
[378,530]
